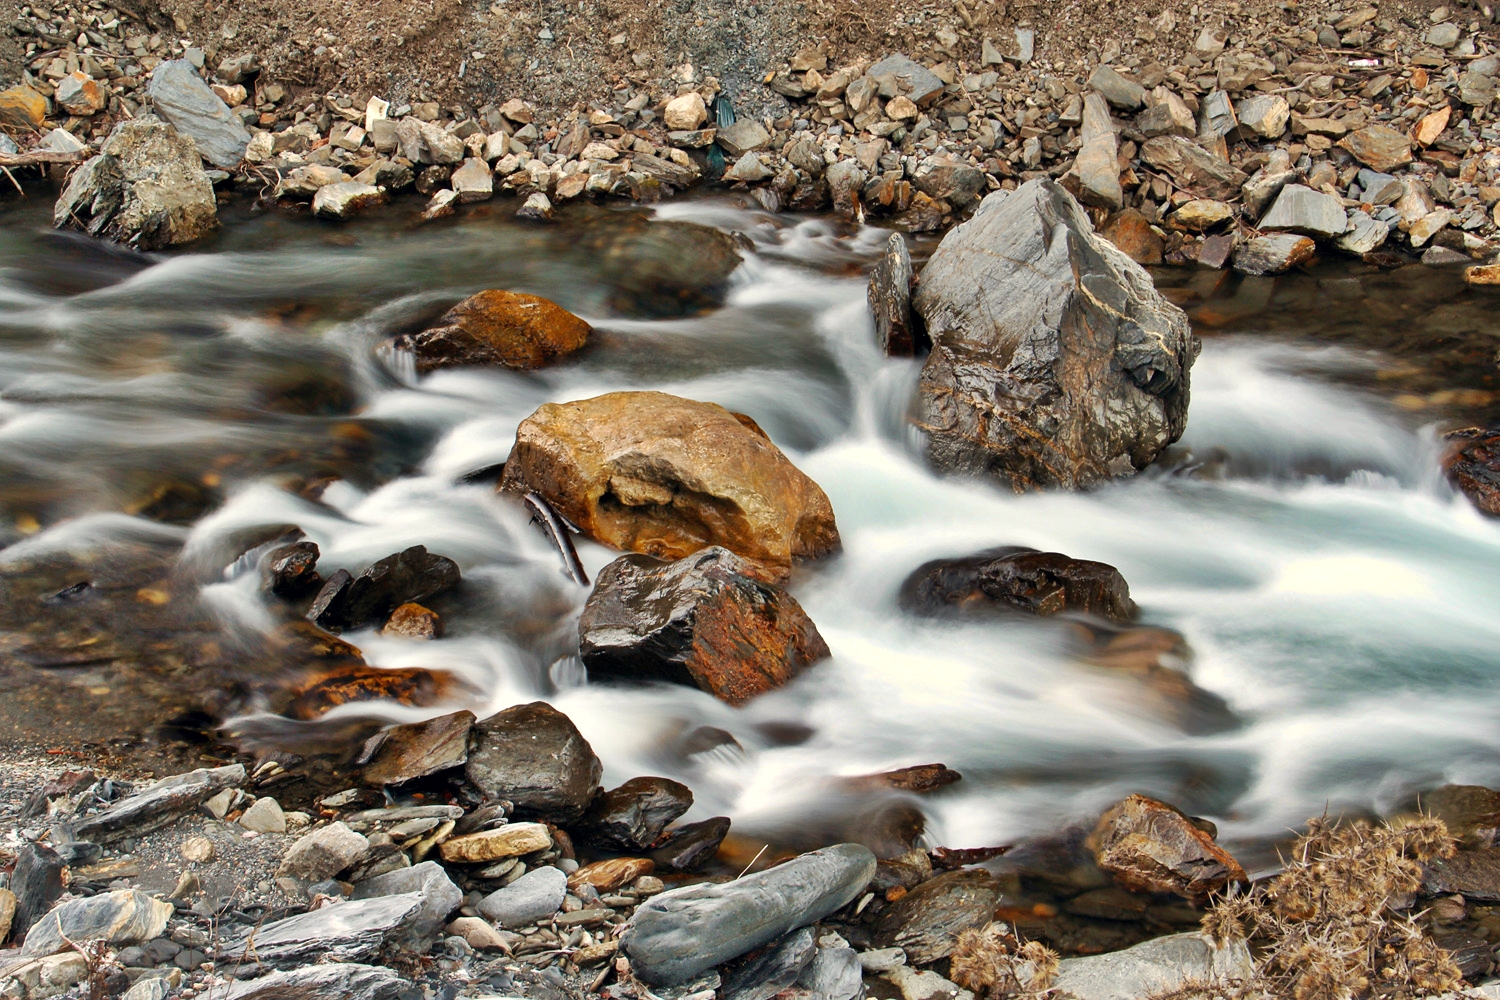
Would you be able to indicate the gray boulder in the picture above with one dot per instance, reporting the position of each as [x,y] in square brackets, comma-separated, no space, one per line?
[355,931]
[440,897]
[897,74]
[1154,968]
[125,916]
[181,98]
[147,188]
[1300,209]
[158,804]
[534,896]
[678,934]
[1055,362]
[345,980]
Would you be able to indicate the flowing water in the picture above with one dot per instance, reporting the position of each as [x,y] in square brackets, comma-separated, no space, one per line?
[1336,594]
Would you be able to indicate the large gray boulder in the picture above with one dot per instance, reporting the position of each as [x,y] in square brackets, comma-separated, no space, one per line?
[147,188]
[355,931]
[180,96]
[440,897]
[1055,362]
[678,934]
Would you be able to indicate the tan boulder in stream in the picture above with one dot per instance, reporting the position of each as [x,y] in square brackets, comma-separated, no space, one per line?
[496,327]
[667,476]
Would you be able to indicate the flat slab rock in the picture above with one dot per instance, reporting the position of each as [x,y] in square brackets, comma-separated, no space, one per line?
[353,931]
[1153,968]
[122,917]
[345,980]
[678,934]
[158,804]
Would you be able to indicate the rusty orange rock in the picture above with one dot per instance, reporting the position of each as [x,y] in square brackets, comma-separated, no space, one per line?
[326,690]
[22,107]
[1149,846]
[496,327]
[611,874]
[667,476]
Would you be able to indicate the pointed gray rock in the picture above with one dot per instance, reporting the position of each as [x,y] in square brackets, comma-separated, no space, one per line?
[1300,209]
[440,897]
[355,931]
[181,98]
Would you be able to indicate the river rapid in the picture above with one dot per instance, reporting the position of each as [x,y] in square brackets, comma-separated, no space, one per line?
[1336,594]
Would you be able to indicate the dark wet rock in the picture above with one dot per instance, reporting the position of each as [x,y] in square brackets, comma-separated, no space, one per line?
[147,188]
[1018,579]
[633,816]
[440,897]
[1055,362]
[158,804]
[906,871]
[290,570]
[37,882]
[678,934]
[704,620]
[898,330]
[918,779]
[422,748]
[926,922]
[1155,656]
[778,968]
[534,896]
[667,476]
[122,917]
[1273,254]
[1472,874]
[354,931]
[1469,811]
[347,602]
[1472,464]
[1063,862]
[666,268]
[498,328]
[345,980]
[533,756]
[179,96]
[691,846]
[323,853]
[1148,846]
[1155,968]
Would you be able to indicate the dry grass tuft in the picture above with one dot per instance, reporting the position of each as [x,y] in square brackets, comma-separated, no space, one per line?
[992,964]
[1333,925]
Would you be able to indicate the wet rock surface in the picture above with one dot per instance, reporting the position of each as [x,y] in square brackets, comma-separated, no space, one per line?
[1472,464]
[898,330]
[666,476]
[1148,846]
[927,921]
[704,620]
[414,574]
[633,816]
[496,327]
[1018,579]
[422,748]
[533,756]
[1067,369]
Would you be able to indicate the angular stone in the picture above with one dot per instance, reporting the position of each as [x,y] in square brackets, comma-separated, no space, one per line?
[910,79]
[744,136]
[422,748]
[1117,90]
[901,109]
[1364,234]
[21,107]
[748,169]
[1216,117]
[1018,579]
[355,931]
[1260,190]
[678,934]
[667,476]
[7,913]
[1264,116]
[1472,464]
[927,921]
[264,816]
[414,574]
[1300,209]
[1428,226]
[323,853]
[36,883]
[80,94]
[343,200]
[181,98]
[122,917]
[685,113]
[689,847]
[531,898]
[440,897]
[950,179]
[611,873]
[1155,968]
[412,621]
[1477,90]
[1378,147]
[42,978]
[345,980]
[473,181]
[1007,298]
[1432,125]
[533,756]
[708,620]
[1095,176]
[304,181]
[1192,167]
[1273,254]
[497,327]
[509,841]
[834,974]
[1148,846]
[634,816]
[844,179]
[768,974]
[898,330]
[1482,274]
[147,188]
[1380,189]
[1132,234]
[1201,215]
[158,804]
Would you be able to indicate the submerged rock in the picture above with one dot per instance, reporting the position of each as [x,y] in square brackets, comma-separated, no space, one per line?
[1154,968]
[704,620]
[533,756]
[496,327]
[1472,464]
[667,476]
[898,330]
[667,268]
[1055,362]
[1148,846]
[633,816]
[147,187]
[345,980]
[1018,579]
[678,934]
[180,97]
[125,916]
[927,921]
[347,601]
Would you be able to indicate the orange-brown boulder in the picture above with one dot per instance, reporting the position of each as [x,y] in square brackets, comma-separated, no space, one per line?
[610,874]
[22,107]
[496,327]
[1148,846]
[667,476]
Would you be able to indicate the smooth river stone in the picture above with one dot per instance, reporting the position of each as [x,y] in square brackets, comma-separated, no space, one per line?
[534,896]
[677,935]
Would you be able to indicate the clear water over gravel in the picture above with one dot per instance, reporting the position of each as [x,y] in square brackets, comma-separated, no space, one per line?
[1335,593]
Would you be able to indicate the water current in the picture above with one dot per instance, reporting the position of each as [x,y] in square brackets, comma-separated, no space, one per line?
[1336,594]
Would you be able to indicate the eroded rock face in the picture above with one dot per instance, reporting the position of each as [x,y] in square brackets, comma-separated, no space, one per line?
[146,188]
[927,921]
[703,620]
[1055,362]
[496,327]
[534,756]
[1018,579]
[633,816]
[1472,463]
[667,476]
[1148,846]
[414,574]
